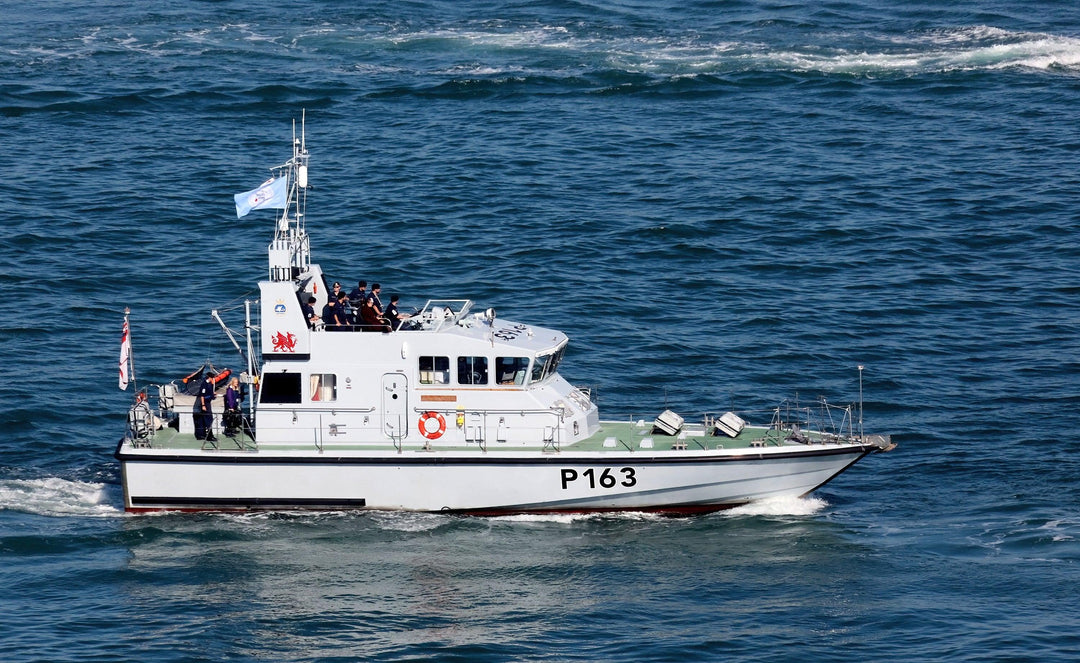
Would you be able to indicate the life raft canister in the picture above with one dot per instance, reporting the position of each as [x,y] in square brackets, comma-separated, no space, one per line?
[425,428]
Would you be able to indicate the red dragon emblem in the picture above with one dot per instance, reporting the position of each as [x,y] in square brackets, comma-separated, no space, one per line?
[284,343]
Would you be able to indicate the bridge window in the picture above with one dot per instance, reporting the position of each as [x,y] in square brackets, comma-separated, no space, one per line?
[512,370]
[546,365]
[323,387]
[280,388]
[434,370]
[472,370]
[538,367]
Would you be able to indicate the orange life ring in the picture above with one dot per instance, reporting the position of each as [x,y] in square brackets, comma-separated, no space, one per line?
[431,434]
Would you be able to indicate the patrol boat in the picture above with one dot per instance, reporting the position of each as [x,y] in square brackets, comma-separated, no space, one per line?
[458,411]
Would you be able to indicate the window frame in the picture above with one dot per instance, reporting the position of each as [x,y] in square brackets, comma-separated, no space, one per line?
[470,369]
[434,370]
[520,374]
[276,386]
[319,383]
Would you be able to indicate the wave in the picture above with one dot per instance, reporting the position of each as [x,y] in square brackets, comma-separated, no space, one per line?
[346,62]
[552,50]
[973,47]
[53,496]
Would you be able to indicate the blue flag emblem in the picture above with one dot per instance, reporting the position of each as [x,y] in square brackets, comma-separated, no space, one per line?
[272,194]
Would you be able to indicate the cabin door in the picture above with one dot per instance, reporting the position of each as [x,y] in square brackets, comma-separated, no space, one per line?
[395,413]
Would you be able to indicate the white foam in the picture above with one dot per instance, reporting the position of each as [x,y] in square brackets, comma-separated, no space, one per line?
[1059,530]
[779,506]
[408,521]
[961,35]
[958,49]
[568,518]
[53,496]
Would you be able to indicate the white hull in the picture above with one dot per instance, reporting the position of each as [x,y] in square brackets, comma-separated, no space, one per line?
[477,483]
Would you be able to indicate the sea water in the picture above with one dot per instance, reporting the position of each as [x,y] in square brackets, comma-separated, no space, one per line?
[724,204]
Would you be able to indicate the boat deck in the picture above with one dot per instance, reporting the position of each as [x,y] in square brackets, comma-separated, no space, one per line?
[613,436]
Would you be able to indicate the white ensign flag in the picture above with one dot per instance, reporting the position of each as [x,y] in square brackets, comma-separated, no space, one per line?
[125,355]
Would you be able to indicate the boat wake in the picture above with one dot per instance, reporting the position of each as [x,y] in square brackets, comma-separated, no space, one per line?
[530,51]
[976,47]
[53,496]
[779,506]
[568,518]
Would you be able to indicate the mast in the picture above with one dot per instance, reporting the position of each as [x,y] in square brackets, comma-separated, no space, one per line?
[253,377]
[290,250]
[860,402]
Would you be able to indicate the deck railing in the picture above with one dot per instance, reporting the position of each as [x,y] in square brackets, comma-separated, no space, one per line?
[327,428]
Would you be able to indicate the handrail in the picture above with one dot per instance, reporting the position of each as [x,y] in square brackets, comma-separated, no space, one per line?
[288,407]
[557,411]
[426,314]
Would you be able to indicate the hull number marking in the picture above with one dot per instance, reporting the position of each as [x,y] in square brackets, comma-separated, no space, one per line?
[510,333]
[606,479]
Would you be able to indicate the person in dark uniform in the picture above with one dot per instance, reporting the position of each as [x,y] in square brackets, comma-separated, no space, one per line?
[344,311]
[358,295]
[333,314]
[329,317]
[373,296]
[393,316]
[202,412]
[309,313]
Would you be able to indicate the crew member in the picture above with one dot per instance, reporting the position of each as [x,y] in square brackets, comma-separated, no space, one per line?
[309,313]
[393,316]
[231,418]
[345,313]
[202,412]
[369,315]
[333,316]
[358,295]
[373,296]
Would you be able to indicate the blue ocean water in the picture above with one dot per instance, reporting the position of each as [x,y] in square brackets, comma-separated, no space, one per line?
[723,203]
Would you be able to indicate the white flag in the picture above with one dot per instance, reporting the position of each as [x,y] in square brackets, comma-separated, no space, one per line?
[125,355]
[272,193]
